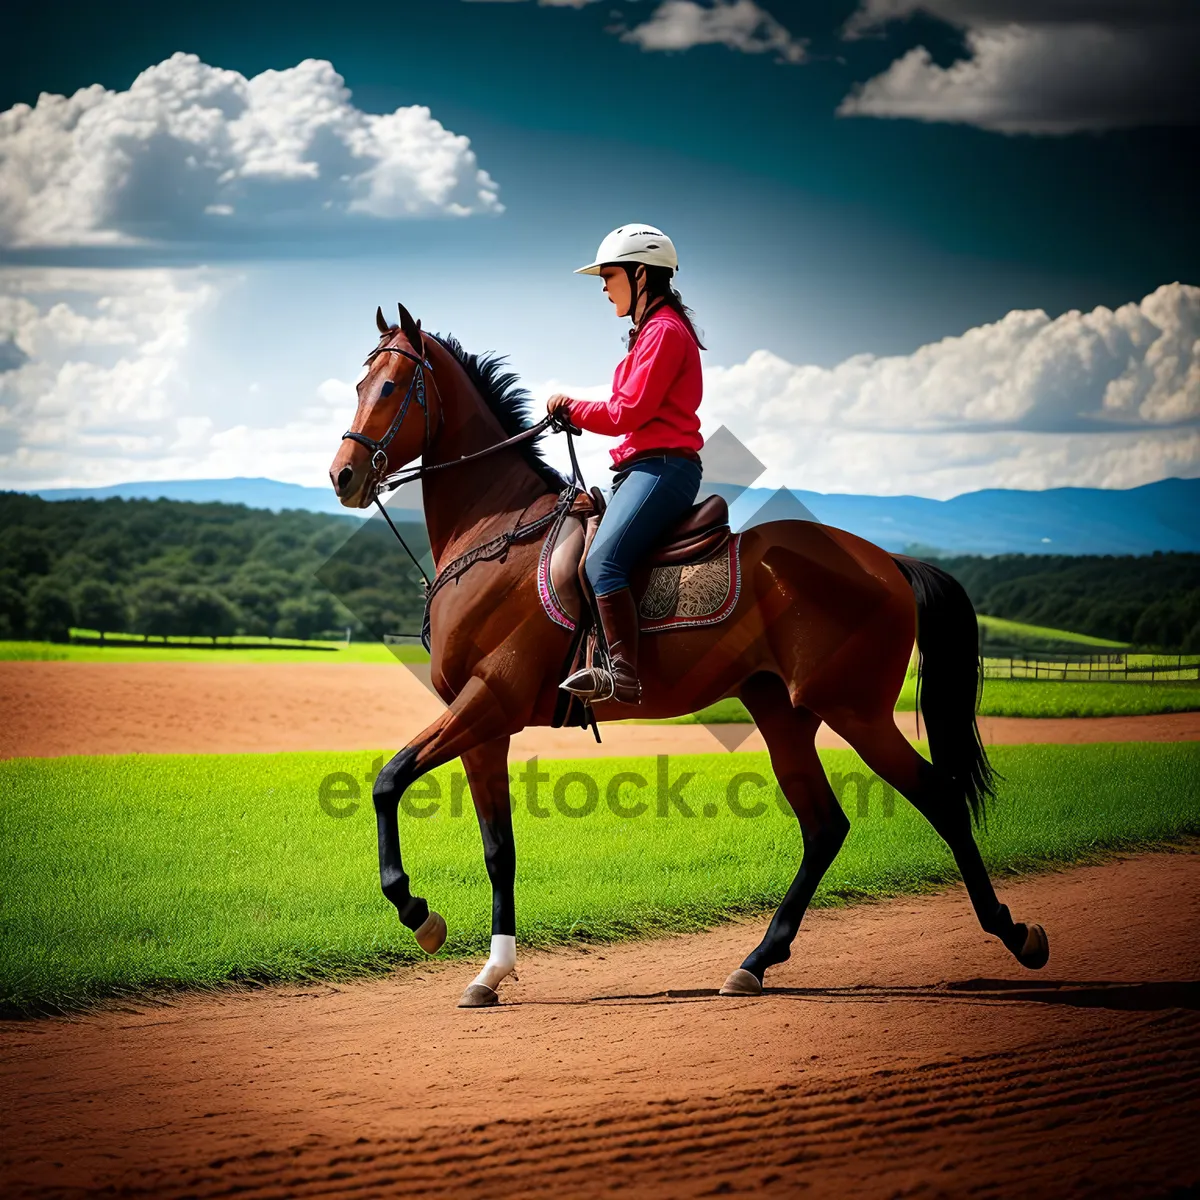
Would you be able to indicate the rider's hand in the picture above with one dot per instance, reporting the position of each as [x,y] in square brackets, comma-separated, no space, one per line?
[558,403]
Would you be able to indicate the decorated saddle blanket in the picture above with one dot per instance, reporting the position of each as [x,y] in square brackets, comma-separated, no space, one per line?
[702,593]
[669,597]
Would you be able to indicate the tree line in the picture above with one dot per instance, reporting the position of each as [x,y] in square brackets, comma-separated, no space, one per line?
[1150,601]
[164,568]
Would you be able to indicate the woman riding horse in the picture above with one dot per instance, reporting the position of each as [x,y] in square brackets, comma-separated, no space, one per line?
[821,628]
[656,393]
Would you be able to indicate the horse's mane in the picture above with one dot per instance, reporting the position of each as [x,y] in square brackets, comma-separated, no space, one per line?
[502,391]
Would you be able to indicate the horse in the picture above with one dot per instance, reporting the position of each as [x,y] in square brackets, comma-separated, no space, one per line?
[822,630]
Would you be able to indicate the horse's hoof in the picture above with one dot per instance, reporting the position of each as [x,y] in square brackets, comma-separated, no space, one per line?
[742,983]
[479,995]
[431,934]
[1035,953]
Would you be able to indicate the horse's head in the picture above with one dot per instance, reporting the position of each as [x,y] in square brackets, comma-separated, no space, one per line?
[398,412]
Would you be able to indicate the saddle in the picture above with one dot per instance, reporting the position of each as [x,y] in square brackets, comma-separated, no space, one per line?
[699,536]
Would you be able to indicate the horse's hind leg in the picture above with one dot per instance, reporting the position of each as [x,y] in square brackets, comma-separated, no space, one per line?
[888,753]
[790,735]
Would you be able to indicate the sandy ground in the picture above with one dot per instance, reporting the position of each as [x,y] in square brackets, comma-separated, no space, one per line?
[52,708]
[898,1053]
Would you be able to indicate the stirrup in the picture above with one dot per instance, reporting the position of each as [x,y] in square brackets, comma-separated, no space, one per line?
[595,684]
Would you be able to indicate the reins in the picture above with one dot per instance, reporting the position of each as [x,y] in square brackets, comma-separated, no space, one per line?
[409,474]
[495,547]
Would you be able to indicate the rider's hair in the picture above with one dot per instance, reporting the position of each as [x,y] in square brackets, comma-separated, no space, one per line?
[658,287]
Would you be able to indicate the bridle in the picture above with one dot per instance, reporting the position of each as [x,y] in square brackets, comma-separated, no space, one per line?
[380,481]
[416,391]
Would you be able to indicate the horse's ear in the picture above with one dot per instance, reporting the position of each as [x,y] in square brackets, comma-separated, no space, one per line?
[382,324]
[411,330]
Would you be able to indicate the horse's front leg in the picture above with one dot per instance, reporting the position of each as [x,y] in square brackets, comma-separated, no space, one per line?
[487,773]
[476,716]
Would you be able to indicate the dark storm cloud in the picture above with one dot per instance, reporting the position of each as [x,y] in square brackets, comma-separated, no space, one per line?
[1041,66]
[874,13]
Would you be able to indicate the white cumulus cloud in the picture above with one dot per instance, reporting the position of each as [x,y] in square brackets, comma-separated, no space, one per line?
[107,385]
[97,372]
[1031,67]
[107,376]
[194,151]
[1106,398]
[1138,365]
[678,25]
[738,24]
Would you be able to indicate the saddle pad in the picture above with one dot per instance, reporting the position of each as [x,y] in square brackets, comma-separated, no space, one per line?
[702,593]
[675,597]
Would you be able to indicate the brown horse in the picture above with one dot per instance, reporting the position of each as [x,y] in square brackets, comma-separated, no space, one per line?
[822,630]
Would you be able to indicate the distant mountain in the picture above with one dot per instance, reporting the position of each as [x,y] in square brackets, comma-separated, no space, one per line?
[1158,516]
[254,493]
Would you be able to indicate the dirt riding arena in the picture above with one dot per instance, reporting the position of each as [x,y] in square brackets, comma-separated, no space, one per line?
[56,708]
[898,1053]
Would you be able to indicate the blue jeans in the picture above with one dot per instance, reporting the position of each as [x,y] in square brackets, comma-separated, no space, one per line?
[647,499]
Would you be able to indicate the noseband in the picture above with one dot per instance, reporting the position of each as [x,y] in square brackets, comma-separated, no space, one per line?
[416,391]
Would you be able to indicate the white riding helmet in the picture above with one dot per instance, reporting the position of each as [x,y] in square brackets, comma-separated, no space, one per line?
[634,244]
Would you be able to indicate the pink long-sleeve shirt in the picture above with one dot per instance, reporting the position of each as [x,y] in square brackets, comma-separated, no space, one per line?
[656,393]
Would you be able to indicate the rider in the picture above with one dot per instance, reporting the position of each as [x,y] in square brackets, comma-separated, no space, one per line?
[656,392]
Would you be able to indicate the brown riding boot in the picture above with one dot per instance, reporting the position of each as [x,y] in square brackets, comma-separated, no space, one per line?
[619,619]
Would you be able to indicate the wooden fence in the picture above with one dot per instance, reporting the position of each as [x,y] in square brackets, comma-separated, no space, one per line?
[1097,668]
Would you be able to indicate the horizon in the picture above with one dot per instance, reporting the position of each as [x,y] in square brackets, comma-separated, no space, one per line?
[1152,518]
[152,483]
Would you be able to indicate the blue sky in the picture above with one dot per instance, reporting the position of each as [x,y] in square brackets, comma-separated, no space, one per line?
[986,162]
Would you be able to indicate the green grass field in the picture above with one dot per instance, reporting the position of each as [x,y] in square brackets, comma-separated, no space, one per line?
[133,873]
[127,648]
[1000,629]
[127,651]
[1021,698]
[1018,698]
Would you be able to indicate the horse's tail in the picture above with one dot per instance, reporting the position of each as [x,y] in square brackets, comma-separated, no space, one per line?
[950,681]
